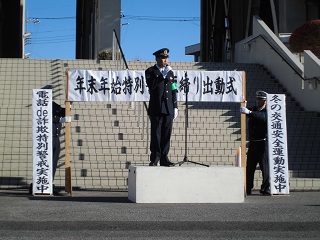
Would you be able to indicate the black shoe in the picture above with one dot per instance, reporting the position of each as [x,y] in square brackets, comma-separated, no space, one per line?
[265,192]
[153,164]
[249,192]
[167,164]
[30,189]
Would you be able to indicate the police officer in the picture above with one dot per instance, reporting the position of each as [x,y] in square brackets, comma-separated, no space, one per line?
[163,108]
[258,147]
[57,113]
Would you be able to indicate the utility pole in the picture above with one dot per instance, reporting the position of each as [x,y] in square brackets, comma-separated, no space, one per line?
[27,35]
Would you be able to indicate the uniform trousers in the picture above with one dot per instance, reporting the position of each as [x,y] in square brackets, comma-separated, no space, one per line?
[55,147]
[161,129]
[56,153]
[257,153]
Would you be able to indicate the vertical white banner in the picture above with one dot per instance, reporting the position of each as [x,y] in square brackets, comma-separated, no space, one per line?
[277,144]
[42,141]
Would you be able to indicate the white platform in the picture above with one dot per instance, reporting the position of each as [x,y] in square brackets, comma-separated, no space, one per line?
[184,184]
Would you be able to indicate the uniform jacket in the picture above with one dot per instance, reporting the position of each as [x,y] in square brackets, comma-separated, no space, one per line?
[257,124]
[162,98]
[57,113]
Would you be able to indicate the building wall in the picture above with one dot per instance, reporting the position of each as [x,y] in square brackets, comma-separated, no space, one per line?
[11,28]
[109,20]
[292,14]
[96,20]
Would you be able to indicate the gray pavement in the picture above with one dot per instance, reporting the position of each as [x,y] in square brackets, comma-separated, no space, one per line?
[110,215]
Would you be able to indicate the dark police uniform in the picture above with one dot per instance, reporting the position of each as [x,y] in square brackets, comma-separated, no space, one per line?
[258,147]
[57,113]
[163,100]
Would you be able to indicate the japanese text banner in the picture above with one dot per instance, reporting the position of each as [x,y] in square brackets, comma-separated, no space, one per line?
[277,144]
[42,141]
[130,85]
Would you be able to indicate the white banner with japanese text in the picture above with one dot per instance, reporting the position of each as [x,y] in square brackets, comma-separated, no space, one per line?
[277,144]
[130,85]
[42,141]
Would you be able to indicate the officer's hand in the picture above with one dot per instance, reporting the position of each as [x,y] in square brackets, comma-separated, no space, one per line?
[175,113]
[65,119]
[244,110]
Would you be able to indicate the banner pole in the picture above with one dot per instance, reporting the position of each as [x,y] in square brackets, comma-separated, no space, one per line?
[243,131]
[68,185]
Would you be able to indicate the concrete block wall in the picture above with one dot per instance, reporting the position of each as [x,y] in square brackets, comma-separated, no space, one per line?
[106,138]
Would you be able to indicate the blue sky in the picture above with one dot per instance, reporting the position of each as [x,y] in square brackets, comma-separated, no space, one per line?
[148,26]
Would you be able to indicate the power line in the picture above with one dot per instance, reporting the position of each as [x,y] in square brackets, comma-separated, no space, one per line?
[71,38]
[52,31]
[168,19]
[52,42]
[56,37]
[133,17]
[54,18]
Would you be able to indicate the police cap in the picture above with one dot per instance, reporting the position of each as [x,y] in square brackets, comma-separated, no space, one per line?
[261,95]
[163,52]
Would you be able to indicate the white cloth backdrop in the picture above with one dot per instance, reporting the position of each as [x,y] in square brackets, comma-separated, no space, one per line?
[130,85]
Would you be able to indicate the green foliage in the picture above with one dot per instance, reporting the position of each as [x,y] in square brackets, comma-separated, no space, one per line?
[105,55]
[306,37]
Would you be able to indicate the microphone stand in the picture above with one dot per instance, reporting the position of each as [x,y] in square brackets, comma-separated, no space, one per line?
[185,159]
